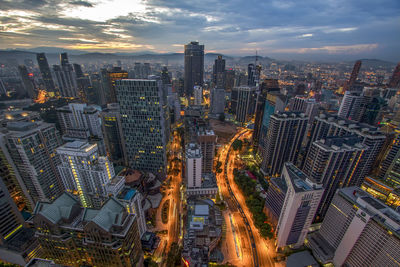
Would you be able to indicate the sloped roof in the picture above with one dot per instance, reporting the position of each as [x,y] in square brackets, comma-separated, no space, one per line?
[110,214]
[60,208]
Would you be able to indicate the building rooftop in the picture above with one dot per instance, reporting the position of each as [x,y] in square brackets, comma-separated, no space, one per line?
[201,210]
[379,211]
[301,259]
[193,150]
[300,181]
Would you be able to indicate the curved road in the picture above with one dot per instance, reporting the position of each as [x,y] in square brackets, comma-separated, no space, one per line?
[239,207]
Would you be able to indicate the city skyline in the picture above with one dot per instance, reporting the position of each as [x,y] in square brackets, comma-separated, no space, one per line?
[291,30]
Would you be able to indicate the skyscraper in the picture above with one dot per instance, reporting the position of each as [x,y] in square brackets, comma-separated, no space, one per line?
[251,75]
[64,59]
[80,121]
[113,135]
[193,165]
[144,113]
[10,217]
[243,102]
[194,66]
[165,76]
[12,179]
[66,80]
[332,162]
[32,148]
[267,86]
[219,72]
[207,140]
[352,106]
[46,74]
[275,102]
[109,77]
[390,167]
[198,95]
[84,171]
[354,74]
[27,81]
[283,141]
[301,202]
[358,230]
[326,125]
[217,101]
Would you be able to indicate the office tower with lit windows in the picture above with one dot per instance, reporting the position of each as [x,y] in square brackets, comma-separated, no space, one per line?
[98,89]
[27,81]
[219,72]
[86,173]
[353,106]
[165,76]
[32,147]
[46,74]
[354,75]
[194,67]
[207,140]
[12,179]
[390,167]
[285,134]
[18,245]
[144,113]
[267,87]
[108,236]
[113,135]
[332,162]
[358,230]
[193,166]
[217,101]
[326,125]
[10,217]
[109,77]
[243,102]
[302,198]
[198,95]
[274,102]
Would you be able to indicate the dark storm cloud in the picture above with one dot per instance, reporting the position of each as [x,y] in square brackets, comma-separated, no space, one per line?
[81,3]
[227,26]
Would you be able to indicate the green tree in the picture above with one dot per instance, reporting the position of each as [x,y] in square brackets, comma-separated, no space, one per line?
[237,145]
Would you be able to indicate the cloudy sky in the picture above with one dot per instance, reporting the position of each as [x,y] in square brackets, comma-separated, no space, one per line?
[282,28]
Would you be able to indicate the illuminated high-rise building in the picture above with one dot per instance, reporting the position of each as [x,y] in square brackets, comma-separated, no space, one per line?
[108,81]
[243,102]
[395,80]
[27,81]
[10,217]
[285,134]
[12,179]
[266,87]
[358,230]
[219,72]
[326,125]
[144,114]
[390,166]
[113,135]
[46,74]
[194,67]
[85,172]
[332,162]
[354,75]
[32,147]
[301,201]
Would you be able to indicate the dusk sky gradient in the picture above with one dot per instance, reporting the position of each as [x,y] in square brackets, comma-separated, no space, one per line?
[285,29]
